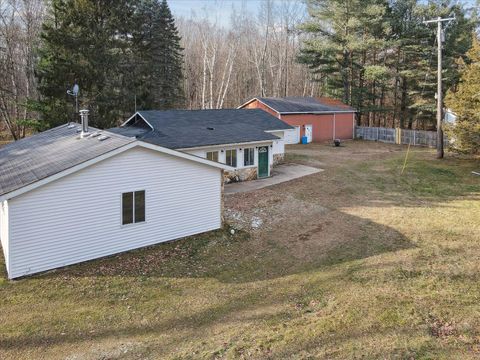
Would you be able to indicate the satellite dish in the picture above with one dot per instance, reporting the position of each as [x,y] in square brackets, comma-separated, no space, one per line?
[74,92]
[75,89]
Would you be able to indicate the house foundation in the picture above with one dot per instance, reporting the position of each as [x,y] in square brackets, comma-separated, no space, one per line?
[244,174]
[278,158]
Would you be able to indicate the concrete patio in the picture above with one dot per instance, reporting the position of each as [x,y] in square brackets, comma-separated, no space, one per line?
[280,174]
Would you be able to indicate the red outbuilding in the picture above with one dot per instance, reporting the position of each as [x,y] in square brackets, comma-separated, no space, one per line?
[319,119]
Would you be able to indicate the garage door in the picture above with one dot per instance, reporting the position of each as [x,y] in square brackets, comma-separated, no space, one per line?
[292,136]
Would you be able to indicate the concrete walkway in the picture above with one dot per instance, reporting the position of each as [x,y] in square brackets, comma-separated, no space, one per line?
[281,173]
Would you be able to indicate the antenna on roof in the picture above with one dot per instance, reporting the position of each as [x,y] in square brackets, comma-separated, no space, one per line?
[74,92]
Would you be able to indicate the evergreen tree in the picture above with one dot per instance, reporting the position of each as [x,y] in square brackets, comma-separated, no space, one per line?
[87,42]
[345,44]
[379,57]
[465,102]
[162,58]
[420,65]
[124,54]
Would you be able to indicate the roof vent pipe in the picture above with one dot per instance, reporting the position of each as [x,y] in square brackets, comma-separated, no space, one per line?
[84,117]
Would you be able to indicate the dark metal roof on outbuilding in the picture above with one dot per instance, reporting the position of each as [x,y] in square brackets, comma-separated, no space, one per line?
[181,129]
[304,104]
[29,160]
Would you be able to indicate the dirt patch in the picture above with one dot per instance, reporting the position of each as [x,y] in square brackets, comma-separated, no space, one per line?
[303,216]
[440,328]
[264,210]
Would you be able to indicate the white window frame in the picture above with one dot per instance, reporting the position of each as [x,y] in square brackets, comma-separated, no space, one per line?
[251,151]
[236,158]
[212,151]
[133,210]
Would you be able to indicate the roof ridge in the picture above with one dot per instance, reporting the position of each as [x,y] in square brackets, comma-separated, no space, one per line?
[305,104]
[199,110]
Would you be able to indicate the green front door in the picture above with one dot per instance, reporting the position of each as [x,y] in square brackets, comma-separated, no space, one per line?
[262,161]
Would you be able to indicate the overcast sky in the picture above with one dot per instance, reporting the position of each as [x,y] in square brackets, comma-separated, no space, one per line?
[221,10]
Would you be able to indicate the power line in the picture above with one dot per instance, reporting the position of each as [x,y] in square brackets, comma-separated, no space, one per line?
[429,68]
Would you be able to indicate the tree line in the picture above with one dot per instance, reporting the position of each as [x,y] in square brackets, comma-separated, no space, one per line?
[379,56]
[123,54]
[376,55]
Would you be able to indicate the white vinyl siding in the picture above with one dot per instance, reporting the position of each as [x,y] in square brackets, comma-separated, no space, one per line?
[78,217]
[278,145]
[4,230]
[292,136]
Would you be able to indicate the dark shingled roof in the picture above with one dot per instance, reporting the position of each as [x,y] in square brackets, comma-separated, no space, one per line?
[304,104]
[28,160]
[181,129]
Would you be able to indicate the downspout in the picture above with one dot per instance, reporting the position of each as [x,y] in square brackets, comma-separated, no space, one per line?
[222,197]
[353,126]
[334,126]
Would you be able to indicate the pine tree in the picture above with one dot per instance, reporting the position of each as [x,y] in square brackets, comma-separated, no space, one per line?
[465,102]
[420,62]
[124,54]
[159,57]
[345,45]
[167,59]
[379,57]
[87,42]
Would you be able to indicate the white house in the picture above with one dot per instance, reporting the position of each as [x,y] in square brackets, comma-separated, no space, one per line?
[69,195]
[250,141]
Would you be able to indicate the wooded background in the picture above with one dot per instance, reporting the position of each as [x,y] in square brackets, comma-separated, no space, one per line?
[376,55]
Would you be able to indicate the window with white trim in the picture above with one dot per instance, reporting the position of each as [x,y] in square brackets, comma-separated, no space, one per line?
[133,207]
[212,155]
[231,157]
[248,157]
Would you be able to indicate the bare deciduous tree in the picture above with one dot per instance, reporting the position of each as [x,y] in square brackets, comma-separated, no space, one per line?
[254,56]
[20,24]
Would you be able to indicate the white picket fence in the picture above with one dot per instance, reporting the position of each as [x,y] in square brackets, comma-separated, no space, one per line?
[398,136]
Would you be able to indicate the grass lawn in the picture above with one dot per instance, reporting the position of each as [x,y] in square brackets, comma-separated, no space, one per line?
[353,262]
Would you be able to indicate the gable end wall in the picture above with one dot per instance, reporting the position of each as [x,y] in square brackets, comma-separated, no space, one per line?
[78,217]
[255,104]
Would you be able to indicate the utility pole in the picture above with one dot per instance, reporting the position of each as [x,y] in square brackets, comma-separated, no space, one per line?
[440,39]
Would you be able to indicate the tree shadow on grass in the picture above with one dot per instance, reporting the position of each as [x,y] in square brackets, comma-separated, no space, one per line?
[183,324]
[284,249]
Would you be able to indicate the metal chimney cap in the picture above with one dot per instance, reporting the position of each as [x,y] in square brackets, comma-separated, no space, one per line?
[84,117]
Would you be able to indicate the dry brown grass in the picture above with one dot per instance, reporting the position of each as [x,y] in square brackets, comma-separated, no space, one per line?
[356,261]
